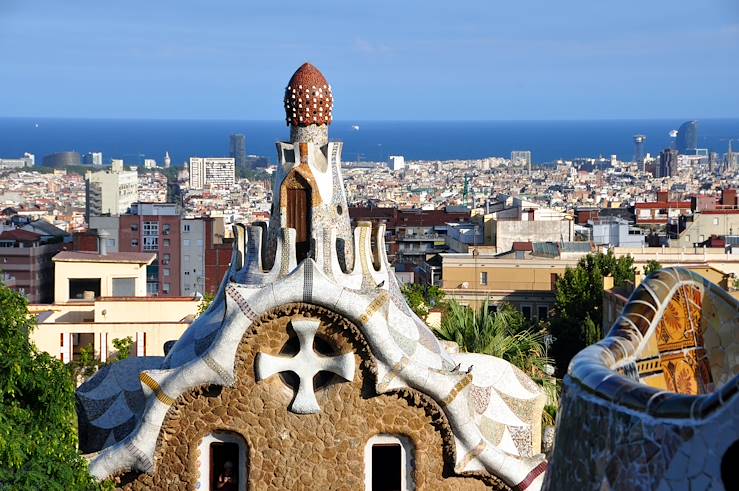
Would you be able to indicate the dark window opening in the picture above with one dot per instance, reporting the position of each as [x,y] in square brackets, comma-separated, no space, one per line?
[80,341]
[84,288]
[526,311]
[543,312]
[387,467]
[224,466]
[730,461]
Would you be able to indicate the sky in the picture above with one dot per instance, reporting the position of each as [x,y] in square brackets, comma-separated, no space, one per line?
[386,60]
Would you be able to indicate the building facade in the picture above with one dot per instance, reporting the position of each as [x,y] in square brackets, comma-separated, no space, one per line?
[110,192]
[192,252]
[88,275]
[687,138]
[527,284]
[237,149]
[26,264]
[521,158]
[212,172]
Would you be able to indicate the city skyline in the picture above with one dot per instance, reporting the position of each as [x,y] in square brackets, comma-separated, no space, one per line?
[475,61]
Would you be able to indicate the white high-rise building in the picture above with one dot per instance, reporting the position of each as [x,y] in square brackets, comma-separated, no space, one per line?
[521,158]
[167,160]
[212,172]
[110,192]
[396,162]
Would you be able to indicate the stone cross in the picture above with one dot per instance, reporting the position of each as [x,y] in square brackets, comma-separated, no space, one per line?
[305,364]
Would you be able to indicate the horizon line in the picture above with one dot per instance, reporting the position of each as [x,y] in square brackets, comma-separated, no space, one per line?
[259,120]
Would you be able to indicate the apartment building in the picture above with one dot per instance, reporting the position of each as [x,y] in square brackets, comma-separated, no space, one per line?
[212,172]
[526,283]
[26,263]
[412,235]
[110,192]
[190,259]
[192,251]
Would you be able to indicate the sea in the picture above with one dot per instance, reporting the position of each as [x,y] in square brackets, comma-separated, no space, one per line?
[134,139]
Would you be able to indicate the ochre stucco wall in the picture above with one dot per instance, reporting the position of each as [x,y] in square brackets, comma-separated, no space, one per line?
[291,451]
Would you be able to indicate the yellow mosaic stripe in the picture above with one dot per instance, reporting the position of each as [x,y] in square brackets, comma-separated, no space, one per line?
[479,448]
[154,386]
[373,307]
[466,380]
[390,376]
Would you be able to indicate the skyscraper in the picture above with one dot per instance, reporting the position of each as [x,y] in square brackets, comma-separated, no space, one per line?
[238,149]
[639,148]
[667,163]
[687,137]
[521,158]
[167,160]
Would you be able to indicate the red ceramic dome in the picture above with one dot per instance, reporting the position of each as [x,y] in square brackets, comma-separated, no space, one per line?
[308,98]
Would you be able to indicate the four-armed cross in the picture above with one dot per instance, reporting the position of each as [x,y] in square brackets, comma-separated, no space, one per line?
[305,364]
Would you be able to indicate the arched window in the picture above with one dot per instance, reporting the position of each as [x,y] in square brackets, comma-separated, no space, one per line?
[223,462]
[389,464]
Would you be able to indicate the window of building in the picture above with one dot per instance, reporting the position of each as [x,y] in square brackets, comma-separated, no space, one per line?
[492,309]
[166,271]
[166,242]
[187,273]
[134,227]
[186,259]
[483,277]
[543,312]
[223,456]
[124,287]
[388,463]
[186,242]
[165,259]
[151,228]
[166,228]
[186,227]
[134,242]
[84,288]
[152,288]
[151,243]
[715,221]
[526,311]
[166,287]
[200,242]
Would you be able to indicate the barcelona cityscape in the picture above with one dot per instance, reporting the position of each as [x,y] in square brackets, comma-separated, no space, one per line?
[369,246]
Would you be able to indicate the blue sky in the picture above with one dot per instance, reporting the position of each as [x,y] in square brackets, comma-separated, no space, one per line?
[387,60]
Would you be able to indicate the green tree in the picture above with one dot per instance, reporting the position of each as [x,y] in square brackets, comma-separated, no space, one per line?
[652,266]
[123,347]
[579,302]
[38,437]
[422,298]
[205,303]
[505,334]
[86,365]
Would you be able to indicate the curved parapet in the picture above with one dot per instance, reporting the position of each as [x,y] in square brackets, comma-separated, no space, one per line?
[654,404]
